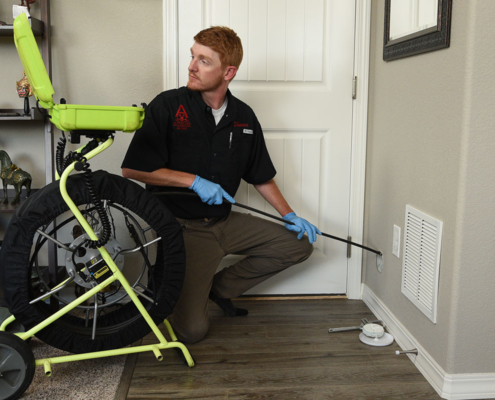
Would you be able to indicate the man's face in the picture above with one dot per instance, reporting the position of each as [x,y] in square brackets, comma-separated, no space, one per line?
[205,70]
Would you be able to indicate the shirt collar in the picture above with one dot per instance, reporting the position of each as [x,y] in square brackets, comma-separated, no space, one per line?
[231,107]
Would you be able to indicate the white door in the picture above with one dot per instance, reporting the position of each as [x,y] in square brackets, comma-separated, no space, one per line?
[297,76]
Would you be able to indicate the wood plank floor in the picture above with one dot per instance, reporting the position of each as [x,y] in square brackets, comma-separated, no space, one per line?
[282,350]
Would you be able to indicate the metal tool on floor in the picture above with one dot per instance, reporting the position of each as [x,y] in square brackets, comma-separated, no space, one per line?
[364,322]
[372,332]
[413,351]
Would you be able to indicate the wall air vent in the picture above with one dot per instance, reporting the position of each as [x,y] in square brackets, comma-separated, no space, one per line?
[421,261]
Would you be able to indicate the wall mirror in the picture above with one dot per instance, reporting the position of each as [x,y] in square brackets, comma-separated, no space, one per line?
[415,26]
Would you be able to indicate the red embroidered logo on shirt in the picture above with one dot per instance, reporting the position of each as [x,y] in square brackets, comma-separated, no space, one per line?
[182,119]
[240,125]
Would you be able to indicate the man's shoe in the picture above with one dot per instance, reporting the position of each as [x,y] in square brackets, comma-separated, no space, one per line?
[227,306]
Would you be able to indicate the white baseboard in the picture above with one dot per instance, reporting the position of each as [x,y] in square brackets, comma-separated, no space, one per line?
[448,386]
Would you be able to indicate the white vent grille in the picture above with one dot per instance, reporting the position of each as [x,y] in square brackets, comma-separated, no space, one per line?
[421,262]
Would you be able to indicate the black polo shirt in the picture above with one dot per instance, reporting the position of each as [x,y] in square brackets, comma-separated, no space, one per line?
[179,133]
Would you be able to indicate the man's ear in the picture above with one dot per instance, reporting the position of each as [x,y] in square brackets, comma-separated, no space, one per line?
[230,72]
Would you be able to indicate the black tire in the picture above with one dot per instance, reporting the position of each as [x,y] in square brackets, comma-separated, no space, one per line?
[17,366]
[123,324]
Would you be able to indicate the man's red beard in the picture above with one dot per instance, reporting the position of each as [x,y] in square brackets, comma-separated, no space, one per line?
[201,87]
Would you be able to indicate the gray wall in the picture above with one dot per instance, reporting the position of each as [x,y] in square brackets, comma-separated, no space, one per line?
[103,53]
[431,145]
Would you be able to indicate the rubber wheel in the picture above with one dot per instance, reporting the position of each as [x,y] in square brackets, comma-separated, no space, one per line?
[17,366]
[121,324]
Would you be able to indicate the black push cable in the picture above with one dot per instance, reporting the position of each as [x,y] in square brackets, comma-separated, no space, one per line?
[322,234]
[379,253]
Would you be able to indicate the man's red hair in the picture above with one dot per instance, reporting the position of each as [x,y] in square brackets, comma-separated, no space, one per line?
[225,42]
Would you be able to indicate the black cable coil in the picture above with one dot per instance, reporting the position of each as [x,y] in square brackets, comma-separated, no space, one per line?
[95,199]
[61,164]
[59,157]
[69,159]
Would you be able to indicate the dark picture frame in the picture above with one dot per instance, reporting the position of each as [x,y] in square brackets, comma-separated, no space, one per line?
[434,38]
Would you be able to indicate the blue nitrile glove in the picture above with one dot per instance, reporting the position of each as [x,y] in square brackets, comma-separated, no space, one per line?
[301,226]
[210,192]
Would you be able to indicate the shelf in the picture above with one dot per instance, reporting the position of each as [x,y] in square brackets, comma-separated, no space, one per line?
[34,115]
[9,208]
[36,25]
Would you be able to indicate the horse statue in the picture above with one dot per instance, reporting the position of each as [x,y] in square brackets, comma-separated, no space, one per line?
[11,174]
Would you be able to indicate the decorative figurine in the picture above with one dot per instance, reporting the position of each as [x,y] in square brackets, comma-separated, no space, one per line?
[28,2]
[13,175]
[24,91]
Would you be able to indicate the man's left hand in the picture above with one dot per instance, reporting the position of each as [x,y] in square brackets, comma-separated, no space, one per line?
[301,226]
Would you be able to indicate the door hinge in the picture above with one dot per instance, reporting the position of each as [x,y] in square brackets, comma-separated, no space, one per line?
[349,247]
[354,87]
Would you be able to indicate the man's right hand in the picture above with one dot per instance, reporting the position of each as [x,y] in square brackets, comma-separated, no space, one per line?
[209,192]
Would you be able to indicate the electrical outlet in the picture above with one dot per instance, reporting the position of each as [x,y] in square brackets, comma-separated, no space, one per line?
[396,242]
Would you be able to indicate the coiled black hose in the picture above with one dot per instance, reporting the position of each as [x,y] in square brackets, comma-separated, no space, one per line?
[62,163]
[59,156]
[69,159]
[95,199]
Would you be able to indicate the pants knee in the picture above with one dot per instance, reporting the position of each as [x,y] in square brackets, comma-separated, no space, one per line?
[305,249]
[191,334]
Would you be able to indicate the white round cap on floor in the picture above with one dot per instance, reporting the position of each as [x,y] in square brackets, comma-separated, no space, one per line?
[373,330]
[386,340]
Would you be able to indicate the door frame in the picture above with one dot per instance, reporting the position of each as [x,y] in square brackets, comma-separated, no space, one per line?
[359,130]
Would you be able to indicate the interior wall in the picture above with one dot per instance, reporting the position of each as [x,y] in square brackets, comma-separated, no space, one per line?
[428,146]
[107,53]
[17,138]
[473,347]
[103,53]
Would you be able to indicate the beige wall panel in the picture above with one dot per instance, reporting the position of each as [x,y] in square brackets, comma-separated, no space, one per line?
[428,145]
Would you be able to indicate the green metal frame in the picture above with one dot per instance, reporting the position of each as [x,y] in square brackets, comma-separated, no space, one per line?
[117,275]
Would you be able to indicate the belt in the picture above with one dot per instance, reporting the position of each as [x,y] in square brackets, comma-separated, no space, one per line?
[201,220]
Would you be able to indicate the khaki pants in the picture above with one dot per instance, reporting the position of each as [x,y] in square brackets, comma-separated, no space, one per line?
[269,247]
